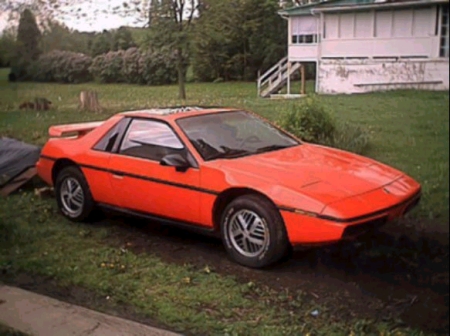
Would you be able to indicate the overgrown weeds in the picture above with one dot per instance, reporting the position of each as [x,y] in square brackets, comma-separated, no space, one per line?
[310,121]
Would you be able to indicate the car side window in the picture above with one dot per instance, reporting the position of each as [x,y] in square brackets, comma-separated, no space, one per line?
[110,140]
[152,140]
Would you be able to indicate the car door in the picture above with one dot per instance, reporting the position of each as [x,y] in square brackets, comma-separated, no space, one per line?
[97,172]
[142,184]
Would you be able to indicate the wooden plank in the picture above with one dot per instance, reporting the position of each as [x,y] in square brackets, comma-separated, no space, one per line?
[18,181]
[400,83]
[302,70]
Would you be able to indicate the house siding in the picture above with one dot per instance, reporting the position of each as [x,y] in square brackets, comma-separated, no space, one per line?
[382,48]
[379,49]
[359,76]
[407,32]
[368,45]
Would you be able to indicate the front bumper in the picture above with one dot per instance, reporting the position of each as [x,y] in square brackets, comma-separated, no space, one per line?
[307,230]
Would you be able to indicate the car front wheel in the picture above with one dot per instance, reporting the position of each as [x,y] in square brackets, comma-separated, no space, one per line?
[253,232]
[73,195]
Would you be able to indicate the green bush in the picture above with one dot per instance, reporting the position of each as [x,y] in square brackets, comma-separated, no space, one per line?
[158,67]
[132,66]
[108,68]
[61,67]
[310,122]
[151,67]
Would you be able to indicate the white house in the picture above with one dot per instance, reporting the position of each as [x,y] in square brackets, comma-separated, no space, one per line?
[366,45]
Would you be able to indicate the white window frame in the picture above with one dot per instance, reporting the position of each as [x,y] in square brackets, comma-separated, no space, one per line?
[306,37]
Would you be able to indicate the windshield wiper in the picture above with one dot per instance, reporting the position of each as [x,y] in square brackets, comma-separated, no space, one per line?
[229,153]
[271,148]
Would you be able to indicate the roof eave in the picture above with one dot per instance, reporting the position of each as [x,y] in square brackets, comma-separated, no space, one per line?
[304,9]
[286,15]
[377,5]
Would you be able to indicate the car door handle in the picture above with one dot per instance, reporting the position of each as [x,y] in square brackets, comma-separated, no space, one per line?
[118,175]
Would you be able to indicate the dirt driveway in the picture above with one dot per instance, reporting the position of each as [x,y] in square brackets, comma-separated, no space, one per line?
[395,273]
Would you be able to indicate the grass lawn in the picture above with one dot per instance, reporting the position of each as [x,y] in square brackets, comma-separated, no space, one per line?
[409,130]
[193,299]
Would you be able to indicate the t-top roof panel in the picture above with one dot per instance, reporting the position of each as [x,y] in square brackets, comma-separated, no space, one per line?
[167,111]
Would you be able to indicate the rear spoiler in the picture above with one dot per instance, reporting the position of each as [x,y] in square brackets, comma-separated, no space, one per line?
[77,130]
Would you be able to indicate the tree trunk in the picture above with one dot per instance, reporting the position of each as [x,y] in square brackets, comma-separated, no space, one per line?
[89,101]
[181,76]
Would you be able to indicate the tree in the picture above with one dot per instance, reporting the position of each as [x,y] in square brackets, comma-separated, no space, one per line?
[234,40]
[27,47]
[221,39]
[216,40]
[45,9]
[56,36]
[170,23]
[266,34]
[7,47]
[28,36]
[122,39]
[101,44]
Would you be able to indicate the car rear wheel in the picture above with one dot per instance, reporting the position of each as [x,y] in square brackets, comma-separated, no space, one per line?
[253,232]
[73,195]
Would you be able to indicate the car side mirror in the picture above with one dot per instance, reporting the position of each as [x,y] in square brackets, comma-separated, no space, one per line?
[177,161]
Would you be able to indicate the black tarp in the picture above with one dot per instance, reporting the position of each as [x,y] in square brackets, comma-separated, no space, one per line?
[15,158]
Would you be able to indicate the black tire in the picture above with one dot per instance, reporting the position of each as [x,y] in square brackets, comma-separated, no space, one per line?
[87,204]
[276,244]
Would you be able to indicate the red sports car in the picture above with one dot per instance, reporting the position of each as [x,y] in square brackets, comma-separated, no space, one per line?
[223,171]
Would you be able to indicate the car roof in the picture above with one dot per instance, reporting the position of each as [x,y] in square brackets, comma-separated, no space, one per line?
[176,112]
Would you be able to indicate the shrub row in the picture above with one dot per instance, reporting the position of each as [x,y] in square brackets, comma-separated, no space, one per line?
[61,67]
[131,66]
[134,66]
[310,122]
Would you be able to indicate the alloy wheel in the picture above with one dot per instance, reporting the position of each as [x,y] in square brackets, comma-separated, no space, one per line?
[72,197]
[248,233]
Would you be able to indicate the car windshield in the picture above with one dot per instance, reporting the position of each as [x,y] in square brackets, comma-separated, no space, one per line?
[233,134]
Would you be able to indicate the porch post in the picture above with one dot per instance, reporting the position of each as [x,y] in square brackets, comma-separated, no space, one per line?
[302,70]
[289,78]
[258,83]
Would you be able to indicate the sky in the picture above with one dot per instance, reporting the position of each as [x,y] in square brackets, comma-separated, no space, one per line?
[98,15]
[3,20]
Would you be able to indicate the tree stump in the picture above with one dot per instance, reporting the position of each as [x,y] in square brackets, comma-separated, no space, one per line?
[89,101]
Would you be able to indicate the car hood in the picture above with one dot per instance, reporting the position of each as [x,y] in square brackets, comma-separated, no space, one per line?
[325,174]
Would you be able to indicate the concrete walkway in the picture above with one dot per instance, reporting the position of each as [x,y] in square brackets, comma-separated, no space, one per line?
[39,315]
